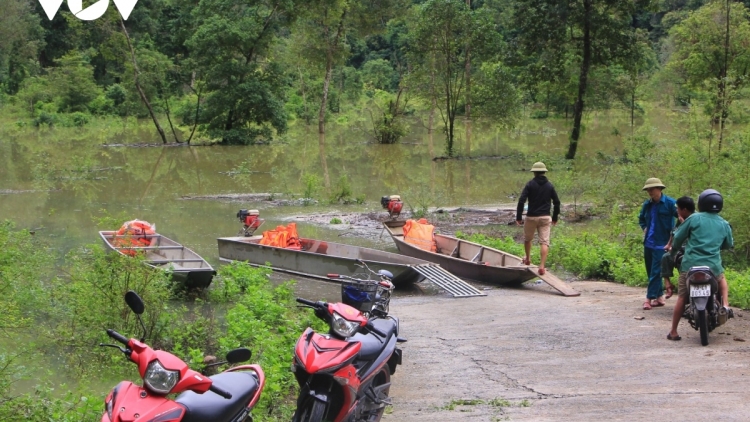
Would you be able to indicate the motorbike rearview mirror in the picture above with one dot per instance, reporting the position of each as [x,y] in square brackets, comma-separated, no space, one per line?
[136,305]
[134,302]
[385,273]
[241,354]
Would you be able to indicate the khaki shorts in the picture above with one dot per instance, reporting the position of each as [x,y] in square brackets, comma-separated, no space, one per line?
[682,290]
[542,225]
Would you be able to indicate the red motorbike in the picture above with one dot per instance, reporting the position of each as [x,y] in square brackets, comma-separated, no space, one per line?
[345,375]
[163,373]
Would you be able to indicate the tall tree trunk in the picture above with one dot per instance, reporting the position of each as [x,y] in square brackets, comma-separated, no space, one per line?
[582,80]
[169,120]
[323,161]
[329,70]
[724,103]
[304,94]
[326,83]
[138,85]
[632,110]
[197,113]
[467,71]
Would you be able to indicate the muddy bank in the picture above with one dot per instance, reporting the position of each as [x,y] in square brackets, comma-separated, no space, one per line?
[530,354]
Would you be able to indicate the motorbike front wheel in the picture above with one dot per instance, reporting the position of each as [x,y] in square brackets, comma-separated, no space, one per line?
[312,411]
[703,326]
[382,386]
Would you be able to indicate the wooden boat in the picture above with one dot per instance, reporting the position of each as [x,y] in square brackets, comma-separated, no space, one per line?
[318,258]
[188,268]
[473,261]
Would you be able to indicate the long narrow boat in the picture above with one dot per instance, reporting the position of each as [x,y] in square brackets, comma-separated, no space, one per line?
[473,261]
[188,268]
[317,258]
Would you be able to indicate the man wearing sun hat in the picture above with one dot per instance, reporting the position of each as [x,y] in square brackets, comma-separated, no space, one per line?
[540,193]
[657,219]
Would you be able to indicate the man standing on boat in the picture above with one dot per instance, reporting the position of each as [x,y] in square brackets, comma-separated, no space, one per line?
[540,192]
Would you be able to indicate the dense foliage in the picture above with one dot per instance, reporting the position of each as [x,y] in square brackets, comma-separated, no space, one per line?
[238,71]
[69,315]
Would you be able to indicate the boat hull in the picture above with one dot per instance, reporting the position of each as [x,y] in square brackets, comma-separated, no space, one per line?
[466,259]
[319,258]
[188,268]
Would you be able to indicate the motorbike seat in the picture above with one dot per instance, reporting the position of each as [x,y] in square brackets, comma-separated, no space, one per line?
[212,407]
[372,344]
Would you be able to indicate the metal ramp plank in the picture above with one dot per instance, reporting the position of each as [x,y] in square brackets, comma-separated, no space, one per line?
[447,281]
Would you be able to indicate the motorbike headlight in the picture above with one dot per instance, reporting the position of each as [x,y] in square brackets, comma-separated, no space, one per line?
[343,327]
[160,380]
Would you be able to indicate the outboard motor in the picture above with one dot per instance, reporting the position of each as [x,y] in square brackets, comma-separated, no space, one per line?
[250,221]
[393,204]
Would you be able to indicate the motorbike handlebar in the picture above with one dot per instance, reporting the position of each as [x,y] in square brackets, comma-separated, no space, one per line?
[310,303]
[117,336]
[223,393]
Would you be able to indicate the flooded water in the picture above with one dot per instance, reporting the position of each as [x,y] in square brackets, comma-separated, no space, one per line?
[60,182]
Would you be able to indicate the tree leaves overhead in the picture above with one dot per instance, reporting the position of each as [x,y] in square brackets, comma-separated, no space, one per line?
[239,70]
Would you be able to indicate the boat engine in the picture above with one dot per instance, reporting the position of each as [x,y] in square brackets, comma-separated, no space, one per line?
[250,221]
[393,204]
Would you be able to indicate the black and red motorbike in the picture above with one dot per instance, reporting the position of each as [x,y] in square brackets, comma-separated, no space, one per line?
[345,375]
[704,311]
[233,395]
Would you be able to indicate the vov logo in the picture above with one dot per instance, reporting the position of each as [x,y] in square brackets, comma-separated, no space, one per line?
[95,11]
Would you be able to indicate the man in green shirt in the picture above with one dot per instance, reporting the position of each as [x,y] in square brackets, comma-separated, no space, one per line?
[706,234]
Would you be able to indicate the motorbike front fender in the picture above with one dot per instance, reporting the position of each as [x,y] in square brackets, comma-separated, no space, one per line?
[700,303]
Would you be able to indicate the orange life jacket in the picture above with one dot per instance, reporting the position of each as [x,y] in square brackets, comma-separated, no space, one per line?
[420,234]
[134,233]
[282,237]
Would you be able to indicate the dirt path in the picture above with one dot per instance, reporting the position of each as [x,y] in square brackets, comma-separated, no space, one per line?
[530,354]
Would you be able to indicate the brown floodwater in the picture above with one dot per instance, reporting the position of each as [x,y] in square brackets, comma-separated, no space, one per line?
[61,181]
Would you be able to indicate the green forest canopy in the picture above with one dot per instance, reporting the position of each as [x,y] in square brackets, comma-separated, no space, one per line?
[238,71]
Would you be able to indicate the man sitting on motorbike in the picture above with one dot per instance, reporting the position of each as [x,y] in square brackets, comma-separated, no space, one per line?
[706,234]
[685,208]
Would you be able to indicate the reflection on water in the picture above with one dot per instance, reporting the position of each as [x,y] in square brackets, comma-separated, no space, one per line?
[71,180]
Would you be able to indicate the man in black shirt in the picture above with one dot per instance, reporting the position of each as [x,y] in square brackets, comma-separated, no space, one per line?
[540,192]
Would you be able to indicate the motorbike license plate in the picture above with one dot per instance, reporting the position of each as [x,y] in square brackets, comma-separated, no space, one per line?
[701,290]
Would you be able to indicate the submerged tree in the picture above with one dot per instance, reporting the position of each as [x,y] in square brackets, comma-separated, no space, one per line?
[243,90]
[441,31]
[322,31]
[599,31]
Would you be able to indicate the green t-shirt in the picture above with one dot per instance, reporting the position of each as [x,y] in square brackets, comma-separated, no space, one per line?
[706,235]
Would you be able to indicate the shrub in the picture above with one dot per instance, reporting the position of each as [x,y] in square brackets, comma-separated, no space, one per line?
[266,320]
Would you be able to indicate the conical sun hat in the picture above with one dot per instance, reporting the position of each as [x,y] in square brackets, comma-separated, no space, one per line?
[538,166]
[653,183]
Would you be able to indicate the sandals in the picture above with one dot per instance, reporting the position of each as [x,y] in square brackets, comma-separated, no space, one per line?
[669,291]
[656,303]
[675,338]
[526,261]
[647,305]
[542,271]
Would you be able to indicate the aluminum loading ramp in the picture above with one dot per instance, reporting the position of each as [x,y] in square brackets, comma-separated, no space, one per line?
[447,281]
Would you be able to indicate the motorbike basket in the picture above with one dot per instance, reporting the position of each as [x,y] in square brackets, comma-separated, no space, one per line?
[359,294]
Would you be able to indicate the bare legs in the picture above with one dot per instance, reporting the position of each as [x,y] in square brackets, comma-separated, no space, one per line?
[544,252]
[527,247]
[724,289]
[679,309]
